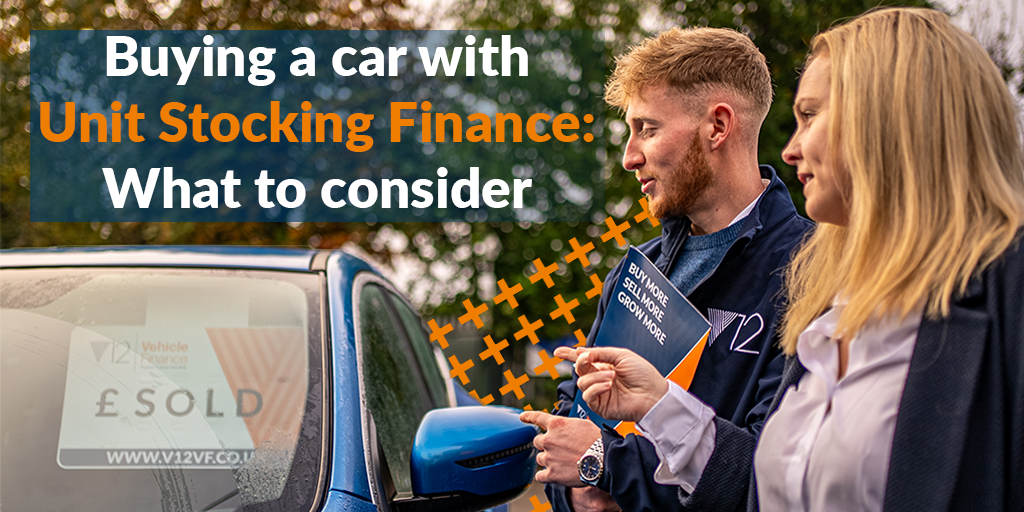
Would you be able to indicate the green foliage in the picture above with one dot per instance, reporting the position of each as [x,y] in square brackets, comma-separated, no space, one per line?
[780,28]
[443,263]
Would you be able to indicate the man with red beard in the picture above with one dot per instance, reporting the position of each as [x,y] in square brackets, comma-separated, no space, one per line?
[694,101]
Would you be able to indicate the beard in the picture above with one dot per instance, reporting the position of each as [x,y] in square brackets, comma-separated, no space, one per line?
[686,185]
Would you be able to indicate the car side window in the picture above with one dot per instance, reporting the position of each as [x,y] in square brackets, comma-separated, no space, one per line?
[395,393]
[421,347]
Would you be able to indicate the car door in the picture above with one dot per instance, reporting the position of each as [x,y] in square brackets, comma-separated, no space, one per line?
[399,382]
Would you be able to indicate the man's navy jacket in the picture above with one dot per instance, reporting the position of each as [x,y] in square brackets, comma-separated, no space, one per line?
[740,368]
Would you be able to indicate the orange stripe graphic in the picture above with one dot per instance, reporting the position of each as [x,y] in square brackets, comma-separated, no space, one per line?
[682,374]
[684,371]
[272,362]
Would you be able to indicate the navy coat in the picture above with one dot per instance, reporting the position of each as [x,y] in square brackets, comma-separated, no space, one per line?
[740,369]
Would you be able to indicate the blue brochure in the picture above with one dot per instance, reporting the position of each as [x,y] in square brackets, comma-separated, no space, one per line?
[649,316]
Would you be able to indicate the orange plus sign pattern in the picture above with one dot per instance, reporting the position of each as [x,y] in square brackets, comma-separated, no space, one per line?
[494,350]
[614,232]
[543,273]
[538,506]
[529,329]
[508,294]
[564,309]
[579,253]
[473,313]
[548,364]
[514,384]
[437,333]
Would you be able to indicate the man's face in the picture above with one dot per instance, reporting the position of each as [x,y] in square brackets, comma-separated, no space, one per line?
[665,151]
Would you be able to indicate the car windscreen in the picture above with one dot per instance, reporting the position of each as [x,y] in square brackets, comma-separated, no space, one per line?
[159,390]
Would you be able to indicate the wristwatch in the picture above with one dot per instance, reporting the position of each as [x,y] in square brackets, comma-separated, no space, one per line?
[591,464]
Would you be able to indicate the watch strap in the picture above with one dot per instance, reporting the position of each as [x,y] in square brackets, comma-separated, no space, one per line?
[596,450]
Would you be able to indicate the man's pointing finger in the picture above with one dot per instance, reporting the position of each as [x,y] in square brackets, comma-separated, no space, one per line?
[567,353]
[539,418]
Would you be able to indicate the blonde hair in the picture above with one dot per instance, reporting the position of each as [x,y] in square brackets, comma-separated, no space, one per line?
[925,126]
[694,61]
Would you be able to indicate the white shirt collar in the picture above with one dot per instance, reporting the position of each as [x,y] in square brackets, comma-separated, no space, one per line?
[750,207]
[876,343]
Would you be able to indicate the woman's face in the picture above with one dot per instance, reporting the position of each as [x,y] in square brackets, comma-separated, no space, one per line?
[808,149]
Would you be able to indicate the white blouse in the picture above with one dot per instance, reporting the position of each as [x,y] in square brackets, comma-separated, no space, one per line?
[827,447]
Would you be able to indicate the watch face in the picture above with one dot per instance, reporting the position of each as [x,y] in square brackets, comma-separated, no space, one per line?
[590,467]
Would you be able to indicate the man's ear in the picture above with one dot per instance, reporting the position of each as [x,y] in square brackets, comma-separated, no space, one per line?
[723,124]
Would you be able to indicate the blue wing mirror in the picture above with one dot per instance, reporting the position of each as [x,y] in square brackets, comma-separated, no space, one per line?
[470,458]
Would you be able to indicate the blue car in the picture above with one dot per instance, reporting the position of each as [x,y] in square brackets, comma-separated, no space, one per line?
[223,378]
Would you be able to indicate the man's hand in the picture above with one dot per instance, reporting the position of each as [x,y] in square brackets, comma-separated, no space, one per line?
[591,499]
[616,383]
[561,447]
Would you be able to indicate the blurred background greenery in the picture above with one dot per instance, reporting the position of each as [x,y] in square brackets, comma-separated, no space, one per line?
[440,265]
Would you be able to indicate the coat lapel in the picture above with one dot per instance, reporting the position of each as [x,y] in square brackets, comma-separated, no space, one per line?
[936,405]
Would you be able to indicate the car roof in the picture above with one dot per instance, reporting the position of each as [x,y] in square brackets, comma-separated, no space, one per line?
[266,258]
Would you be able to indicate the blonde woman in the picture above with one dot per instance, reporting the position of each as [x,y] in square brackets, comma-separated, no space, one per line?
[904,385]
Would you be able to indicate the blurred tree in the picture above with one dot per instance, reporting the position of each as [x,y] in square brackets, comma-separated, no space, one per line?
[997,25]
[439,264]
[452,261]
[781,28]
